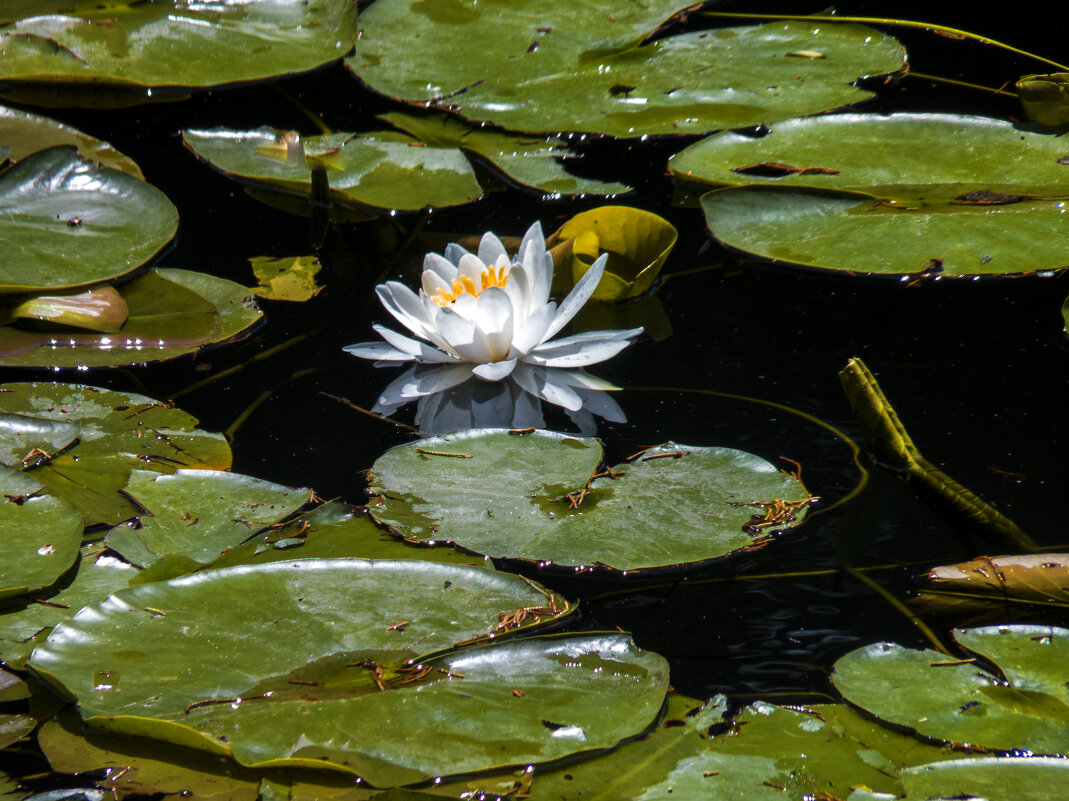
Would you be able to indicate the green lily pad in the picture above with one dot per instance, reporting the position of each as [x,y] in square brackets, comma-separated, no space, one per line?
[171,313]
[332,531]
[14,728]
[523,497]
[193,516]
[637,243]
[24,439]
[371,171]
[585,66]
[97,575]
[1045,98]
[927,159]
[992,582]
[290,278]
[990,778]
[837,232]
[68,222]
[26,133]
[99,308]
[529,161]
[12,688]
[960,703]
[119,432]
[326,653]
[130,45]
[40,538]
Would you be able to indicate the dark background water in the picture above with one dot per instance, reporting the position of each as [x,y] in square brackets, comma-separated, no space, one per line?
[978,370]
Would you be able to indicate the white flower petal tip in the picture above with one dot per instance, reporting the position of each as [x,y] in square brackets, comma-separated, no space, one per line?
[491,313]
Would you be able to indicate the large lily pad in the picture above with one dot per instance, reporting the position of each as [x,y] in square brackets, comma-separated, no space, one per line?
[67,222]
[170,313]
[585,66]
[193,516]
[175,43]
[838,232]
[992,582]
[960,703]
[40,535]
[536,497]
[529,161]
[27,133]
[926,158]
[118,432]
[370,171]
[326,676]
[990,778]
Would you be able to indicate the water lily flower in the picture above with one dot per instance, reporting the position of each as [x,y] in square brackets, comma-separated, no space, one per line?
[489,313]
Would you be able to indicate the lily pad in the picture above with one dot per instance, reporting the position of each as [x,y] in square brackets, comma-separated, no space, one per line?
[324,660]
[119,432]
[14,728]
[336,530]
[928,159]
[1038,579]
[40,536]
[12,688]
[68,222]
[637,243]
[370,171]
[291,278]
[1045,98]
[535,162]
[990,778]
[837,231]
[536,497]
[587,66]
[24,439]
[97,575]
[958,702]
[99,308]
[193,516]
[26,133]
[172,44]
[171,313]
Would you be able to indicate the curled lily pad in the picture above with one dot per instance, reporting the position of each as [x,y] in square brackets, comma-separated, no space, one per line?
[27,133]
[118,432]
[40,537]
[637,243]
[957,701]
[588,66]
[170,313]
[68,222]
[175,43]
[371,171]
[335,662]
[929,159]
[994,581]
[530,161]
[193,516]
[97,309]
[538,496]
[1045,98]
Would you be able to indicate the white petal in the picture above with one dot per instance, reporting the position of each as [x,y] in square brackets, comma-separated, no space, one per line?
[538,265]
[453,253]
[579,295]
[406,307]
[462,336]
[579,350]
[441,266]
[472,267]
[538,382]
[518,288]
[433,283]
[431,381]
[421,351]
[491,249]
[533,331]
[493,318]
[494,371]
[379,350]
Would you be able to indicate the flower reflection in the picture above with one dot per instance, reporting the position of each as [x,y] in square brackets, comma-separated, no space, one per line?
[484,315]
[450,398]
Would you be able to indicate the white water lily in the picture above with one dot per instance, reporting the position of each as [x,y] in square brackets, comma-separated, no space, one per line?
[489,312]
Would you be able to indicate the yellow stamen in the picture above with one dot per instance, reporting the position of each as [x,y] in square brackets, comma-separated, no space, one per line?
[463,285]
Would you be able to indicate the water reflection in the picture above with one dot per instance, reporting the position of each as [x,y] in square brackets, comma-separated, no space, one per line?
[450,398]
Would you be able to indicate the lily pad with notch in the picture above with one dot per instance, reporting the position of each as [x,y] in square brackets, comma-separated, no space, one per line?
[118,432]
[958,702]
[322,647]
[68,222]
[596,67]
[539,496]
[127,52]
[375,172]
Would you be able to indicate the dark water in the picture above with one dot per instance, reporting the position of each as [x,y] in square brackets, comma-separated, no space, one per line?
[978,370]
